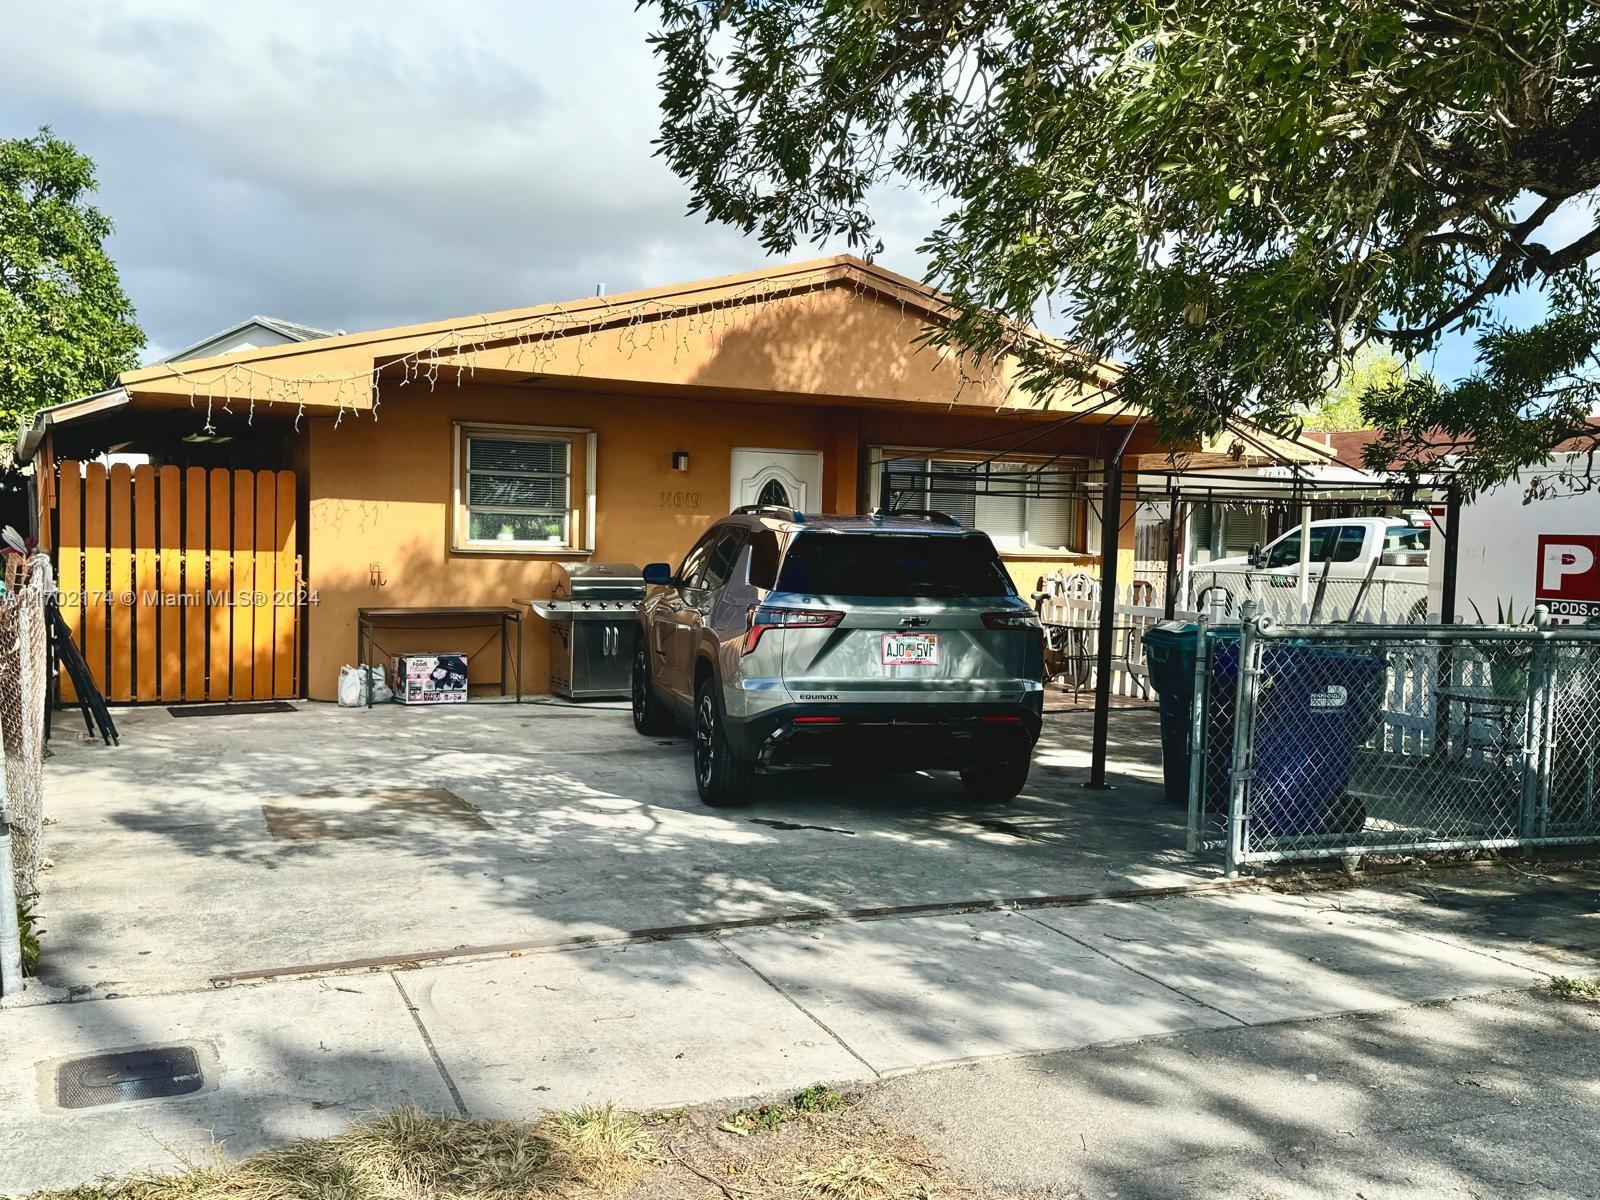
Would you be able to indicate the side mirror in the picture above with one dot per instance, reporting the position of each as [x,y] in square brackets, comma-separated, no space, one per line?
[1257,559]
[657,574]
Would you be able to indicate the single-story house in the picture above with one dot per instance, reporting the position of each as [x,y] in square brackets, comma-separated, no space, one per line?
[453,462]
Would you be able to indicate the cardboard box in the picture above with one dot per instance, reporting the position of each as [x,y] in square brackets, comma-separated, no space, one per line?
[429,678]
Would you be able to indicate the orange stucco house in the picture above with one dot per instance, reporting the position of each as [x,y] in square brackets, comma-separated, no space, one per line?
[453,462]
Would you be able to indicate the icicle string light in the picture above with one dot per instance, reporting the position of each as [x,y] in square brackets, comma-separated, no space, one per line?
[530,345]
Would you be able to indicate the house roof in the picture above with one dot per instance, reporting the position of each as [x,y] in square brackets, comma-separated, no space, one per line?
[835,330]
[1349,445]
[450,337]
[293,331]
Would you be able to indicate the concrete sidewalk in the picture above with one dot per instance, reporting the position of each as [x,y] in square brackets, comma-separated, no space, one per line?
[1495,1096]
[724,1017]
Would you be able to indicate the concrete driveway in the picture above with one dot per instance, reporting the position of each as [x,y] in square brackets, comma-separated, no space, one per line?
[220,845]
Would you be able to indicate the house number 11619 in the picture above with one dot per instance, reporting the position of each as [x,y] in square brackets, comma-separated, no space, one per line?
[680,499]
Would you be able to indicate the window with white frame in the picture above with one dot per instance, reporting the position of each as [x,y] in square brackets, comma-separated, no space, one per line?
[515,488]
[1018,503]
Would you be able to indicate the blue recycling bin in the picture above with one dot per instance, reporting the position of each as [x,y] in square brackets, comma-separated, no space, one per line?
[1315,707]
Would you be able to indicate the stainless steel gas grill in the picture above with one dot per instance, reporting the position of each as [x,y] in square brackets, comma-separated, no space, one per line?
[592,612]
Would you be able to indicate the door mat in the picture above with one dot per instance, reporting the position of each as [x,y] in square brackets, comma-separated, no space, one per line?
[232,710]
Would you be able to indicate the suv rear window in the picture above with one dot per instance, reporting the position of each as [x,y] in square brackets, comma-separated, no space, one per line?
[890,564]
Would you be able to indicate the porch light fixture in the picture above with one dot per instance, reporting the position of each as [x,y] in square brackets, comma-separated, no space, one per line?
[680,460]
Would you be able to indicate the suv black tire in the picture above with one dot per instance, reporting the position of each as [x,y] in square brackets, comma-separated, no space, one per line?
[723,779]
[650,716]
[996,782]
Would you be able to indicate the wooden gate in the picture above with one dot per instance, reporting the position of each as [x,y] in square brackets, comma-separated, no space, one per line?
[180,584]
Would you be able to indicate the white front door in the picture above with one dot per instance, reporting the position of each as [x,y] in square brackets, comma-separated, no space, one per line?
[792,478]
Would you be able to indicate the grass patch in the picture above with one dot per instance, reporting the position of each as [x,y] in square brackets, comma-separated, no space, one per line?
[820,1098]
[408,1154]
[821,1146]
[1568,988]
[858,1177]
[764,1118]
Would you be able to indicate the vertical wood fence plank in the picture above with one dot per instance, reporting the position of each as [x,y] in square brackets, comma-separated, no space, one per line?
[194,584]
[146,615]
[69,559]
[266,582]
[121,583]
[95,582]
[285,609]
[220,537]
[244,581]
[169,487]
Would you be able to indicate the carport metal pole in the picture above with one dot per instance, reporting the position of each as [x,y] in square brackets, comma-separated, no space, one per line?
[1445,666]
[1305,560]
[1170,605]
[1452,554]
[1110,536]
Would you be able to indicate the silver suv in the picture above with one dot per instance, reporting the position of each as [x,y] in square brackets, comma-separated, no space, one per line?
[892,641]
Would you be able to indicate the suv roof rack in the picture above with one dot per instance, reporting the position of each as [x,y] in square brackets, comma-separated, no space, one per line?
[782,511]
[917,514]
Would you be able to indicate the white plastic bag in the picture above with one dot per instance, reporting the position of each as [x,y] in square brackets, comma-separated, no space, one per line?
[356,682]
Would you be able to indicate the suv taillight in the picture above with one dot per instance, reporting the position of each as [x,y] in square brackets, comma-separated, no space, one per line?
[1022,622]
[1010,620]
[763,618]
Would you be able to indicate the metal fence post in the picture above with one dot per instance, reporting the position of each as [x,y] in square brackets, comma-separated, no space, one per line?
[10,931]
[1197,740]
[1243,723]
[1536,757]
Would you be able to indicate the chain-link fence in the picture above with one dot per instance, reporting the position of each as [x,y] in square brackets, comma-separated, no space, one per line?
[1316,741]
[24,682]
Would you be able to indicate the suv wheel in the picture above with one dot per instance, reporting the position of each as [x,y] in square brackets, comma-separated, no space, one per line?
[996,782]
[723,779]
[649,716]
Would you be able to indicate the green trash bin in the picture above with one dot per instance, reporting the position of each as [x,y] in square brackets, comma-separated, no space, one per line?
[1169,650]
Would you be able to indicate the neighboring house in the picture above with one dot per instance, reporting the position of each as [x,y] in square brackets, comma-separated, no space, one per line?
[453,462]
[254,334]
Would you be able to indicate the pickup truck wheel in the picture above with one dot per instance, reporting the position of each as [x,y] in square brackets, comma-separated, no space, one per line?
[996,782]
[724,780]
[650,716]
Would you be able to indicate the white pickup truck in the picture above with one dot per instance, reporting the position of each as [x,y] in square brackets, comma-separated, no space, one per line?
[1376,568]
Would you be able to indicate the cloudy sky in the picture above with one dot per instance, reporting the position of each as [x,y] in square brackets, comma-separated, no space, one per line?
[371,162]
[360,164]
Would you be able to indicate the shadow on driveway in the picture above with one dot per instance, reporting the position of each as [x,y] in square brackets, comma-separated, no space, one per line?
[255,842]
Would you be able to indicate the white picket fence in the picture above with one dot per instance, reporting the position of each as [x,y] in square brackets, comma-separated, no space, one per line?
[1070,611]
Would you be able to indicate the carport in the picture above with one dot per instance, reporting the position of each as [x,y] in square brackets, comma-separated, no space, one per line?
[1118,488]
